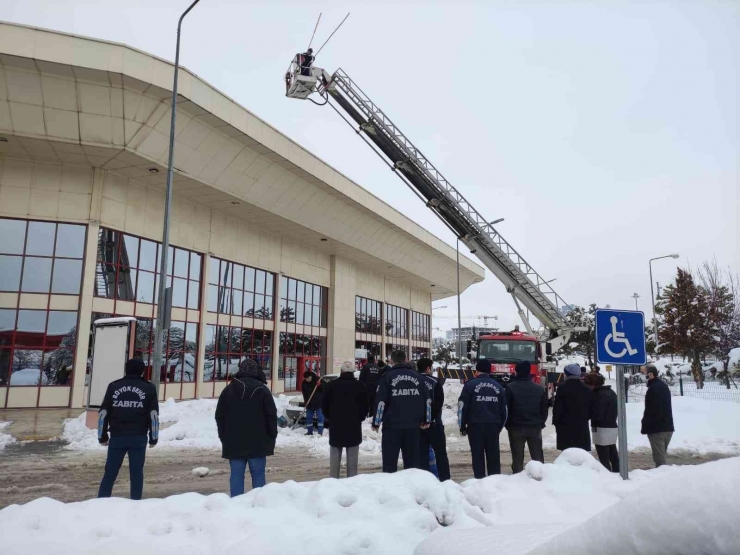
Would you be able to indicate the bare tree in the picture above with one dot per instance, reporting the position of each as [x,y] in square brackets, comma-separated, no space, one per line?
[723,294]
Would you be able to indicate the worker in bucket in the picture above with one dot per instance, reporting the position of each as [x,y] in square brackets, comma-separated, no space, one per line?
[306,60]
[404,408]
[481,415]
[130,412]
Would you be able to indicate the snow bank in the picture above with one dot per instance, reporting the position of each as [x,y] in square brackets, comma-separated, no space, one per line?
[397,514]
[5,439]
[192,425]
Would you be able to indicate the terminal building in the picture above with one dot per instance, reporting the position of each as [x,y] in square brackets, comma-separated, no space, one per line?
[274,254]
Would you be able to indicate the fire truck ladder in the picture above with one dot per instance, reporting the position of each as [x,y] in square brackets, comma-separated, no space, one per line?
[475,231]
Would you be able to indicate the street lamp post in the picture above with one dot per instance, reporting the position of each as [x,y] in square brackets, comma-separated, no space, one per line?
[161,294]
[636,296]
[459,317]
[652,296]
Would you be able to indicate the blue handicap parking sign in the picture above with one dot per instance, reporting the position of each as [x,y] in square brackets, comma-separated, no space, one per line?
[620,337]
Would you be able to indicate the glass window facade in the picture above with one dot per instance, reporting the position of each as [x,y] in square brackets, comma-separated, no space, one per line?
[37,347]
[396,321]
[127,269]
[394,346]
[419,352]
[421,326]
[180,345]
[240,290]
[303,303]
[372,348]
[41,257]
[368,318]
[227,346]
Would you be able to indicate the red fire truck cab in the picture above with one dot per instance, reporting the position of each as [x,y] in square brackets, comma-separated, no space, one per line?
[504,349]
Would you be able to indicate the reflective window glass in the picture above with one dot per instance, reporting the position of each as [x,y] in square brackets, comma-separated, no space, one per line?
[213,270]
[26,367]
[268,308]
[36,275]
[179,292]
[31,328]
[10,273]
[249,304]
[259,286]
[283,288]
[170,258]
[145,290]
[249,277]
[68,276]
[259,306]
[291,289]
[238,279]
[148,255]
[224,277]
[195,263]
[269,284]
[70,241]
[212,298]
[236,307]
[193,295]
[7,323]
[61,323]
[12,236]
[40,240]
[182,259]
[129,255]
[300,289]
[191,337]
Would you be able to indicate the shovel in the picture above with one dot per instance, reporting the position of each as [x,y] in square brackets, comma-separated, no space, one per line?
[297,420]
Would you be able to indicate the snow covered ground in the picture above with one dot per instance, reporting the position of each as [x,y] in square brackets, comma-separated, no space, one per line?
[5,439]
[701,427]
[574,504]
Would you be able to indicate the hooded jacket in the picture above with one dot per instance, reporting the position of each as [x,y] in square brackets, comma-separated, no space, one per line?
[246,417]
[403,400]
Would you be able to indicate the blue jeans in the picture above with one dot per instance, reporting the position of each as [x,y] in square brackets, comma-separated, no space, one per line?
[135,446]
[309,420]
[239,468]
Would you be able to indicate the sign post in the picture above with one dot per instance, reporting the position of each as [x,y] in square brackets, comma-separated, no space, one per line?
[620,340]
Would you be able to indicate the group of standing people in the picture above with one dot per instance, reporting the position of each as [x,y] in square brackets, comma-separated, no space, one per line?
[407,400]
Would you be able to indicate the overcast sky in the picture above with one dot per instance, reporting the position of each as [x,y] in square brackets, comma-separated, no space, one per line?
[605,133]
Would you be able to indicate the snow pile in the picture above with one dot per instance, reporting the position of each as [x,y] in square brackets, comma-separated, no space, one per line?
[679,510]
[5,439]
[192,425]
[404,513]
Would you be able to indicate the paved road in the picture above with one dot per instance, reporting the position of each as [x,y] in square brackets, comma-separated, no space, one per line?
[46,469]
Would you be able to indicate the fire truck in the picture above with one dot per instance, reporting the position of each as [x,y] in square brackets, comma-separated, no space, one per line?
[528,289]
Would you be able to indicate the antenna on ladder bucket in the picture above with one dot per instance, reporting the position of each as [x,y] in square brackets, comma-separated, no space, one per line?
[314,31]
[332,34]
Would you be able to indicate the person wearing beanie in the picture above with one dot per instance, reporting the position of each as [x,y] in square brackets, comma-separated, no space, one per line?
[434,436]
[604,420]
[657,420]
[571,411]
[481,414]
[527,403]
[404,407]
[312,389]
[345,403]
[246,418]
[130,412]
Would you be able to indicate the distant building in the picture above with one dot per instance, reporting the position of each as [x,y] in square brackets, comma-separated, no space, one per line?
[467,332]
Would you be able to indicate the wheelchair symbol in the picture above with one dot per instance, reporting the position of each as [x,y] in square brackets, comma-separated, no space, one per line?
[618,337]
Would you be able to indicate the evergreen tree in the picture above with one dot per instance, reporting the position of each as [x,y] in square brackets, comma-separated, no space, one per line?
[686,326]
[582,341]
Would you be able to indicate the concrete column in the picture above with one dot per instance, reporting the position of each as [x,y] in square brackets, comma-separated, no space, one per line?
[88,288]
[276,385]
[341,340]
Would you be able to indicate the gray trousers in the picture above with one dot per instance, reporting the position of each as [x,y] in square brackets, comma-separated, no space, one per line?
[335,460]
[659,444]
[518,437]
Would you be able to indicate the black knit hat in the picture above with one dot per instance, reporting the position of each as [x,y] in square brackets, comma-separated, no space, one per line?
[483,366]
[523,368]
[135,367]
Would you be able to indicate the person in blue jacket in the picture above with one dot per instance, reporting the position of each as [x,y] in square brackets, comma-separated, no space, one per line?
[481,414]
[404,407]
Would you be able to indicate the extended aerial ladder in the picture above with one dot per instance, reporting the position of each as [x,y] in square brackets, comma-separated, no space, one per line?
[521,280]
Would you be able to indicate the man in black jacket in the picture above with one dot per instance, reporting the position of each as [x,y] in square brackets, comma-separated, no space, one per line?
[570,413]
[403,407]
[657,420]
[130,410]
[313,390]
[527,404]
[481,414]
[370,376]
[345,403]
[434,436]
[246,417]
